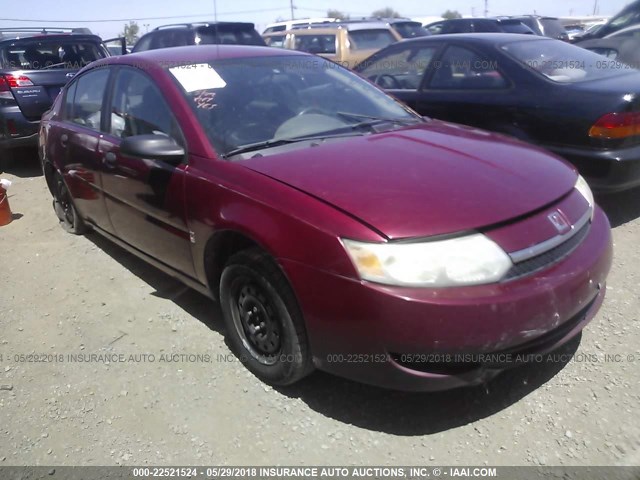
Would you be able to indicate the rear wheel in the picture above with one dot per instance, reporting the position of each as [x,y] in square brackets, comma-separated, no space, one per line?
[65,209]
[264,323]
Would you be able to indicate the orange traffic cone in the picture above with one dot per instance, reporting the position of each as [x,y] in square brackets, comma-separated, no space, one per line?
[5,211]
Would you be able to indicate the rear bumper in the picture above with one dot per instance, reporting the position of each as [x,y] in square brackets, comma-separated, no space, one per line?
[16,130]
[434,339]
[607,171]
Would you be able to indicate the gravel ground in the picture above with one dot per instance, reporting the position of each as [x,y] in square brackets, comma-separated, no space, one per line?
[180,398]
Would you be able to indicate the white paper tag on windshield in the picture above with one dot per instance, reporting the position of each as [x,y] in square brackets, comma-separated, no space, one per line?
[199,76]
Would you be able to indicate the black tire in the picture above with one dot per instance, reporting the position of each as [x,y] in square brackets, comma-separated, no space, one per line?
[265,327]
[65,209]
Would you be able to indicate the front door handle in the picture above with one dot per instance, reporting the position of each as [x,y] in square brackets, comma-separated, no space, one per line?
[110,160]
[64,138]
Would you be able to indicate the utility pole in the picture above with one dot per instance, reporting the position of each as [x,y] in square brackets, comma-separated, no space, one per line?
[215,11]
[595,8]
[486,8]
[292,8]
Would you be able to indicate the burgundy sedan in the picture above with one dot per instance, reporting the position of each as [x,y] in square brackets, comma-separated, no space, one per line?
[338,229]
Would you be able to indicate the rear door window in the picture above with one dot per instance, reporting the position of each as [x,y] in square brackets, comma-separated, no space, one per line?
[463,69]
[86,107]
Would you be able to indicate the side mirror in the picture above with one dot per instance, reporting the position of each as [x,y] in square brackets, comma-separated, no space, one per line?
[153,147]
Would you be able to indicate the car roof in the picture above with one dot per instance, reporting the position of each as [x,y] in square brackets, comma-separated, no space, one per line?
[19,33]
[194,25]
[484,38]
[197,54]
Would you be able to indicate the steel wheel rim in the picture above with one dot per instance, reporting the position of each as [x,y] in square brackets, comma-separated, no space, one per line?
[256,321]
[64,199]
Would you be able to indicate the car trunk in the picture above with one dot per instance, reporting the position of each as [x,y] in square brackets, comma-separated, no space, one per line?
[36,99]
[36,68]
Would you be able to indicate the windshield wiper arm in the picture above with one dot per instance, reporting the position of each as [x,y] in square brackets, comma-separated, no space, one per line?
[259,146]
[285,141]
[372,119]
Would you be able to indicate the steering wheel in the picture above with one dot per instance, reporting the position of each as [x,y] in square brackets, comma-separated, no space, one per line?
[387,81]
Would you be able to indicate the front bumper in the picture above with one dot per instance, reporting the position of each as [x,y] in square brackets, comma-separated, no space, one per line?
[607,171]
[366,331]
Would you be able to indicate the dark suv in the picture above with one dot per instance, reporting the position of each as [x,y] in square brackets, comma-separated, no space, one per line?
[545,26]
[183,34]
[35,63]
[479,25]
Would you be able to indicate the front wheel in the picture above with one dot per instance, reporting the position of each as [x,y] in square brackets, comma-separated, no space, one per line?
[264,323]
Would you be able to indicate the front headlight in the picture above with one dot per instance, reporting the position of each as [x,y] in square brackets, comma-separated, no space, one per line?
[469,260]
[583,187]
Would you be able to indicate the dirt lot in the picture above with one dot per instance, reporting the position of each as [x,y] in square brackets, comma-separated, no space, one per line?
[173,395]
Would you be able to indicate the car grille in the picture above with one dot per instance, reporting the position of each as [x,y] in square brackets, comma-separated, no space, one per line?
[548,258]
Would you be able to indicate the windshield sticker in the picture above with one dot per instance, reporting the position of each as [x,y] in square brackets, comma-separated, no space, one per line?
[200,76]
[205,100]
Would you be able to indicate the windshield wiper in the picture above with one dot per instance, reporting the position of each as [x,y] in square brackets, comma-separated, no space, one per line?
[252,147]
[372,120]
[259,146]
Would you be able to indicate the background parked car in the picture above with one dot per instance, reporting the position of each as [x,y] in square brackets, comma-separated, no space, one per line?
[569,100]
[289,24]
[346,43]
[545,26]
[478,25]
[628,16]
[208,33]
[330,221]
[35,63]
[407,28]
[622,46]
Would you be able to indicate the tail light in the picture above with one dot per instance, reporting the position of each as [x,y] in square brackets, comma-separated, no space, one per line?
[5,91]
[614,126]
[16,81]
[9,81]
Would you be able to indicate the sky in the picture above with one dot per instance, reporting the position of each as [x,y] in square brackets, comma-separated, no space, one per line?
[107,18]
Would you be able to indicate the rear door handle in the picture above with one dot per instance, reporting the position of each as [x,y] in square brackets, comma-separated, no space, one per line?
[110,159]
[64,138]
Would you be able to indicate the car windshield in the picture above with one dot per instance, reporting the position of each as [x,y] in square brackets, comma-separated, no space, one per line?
[39,54]
[374,39]
[410,29]
[516,26]
[247,102]
[552,27]
[562,62]
[228,34]
[320,43]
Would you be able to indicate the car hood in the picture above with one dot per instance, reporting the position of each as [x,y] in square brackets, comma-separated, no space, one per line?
[432,179]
